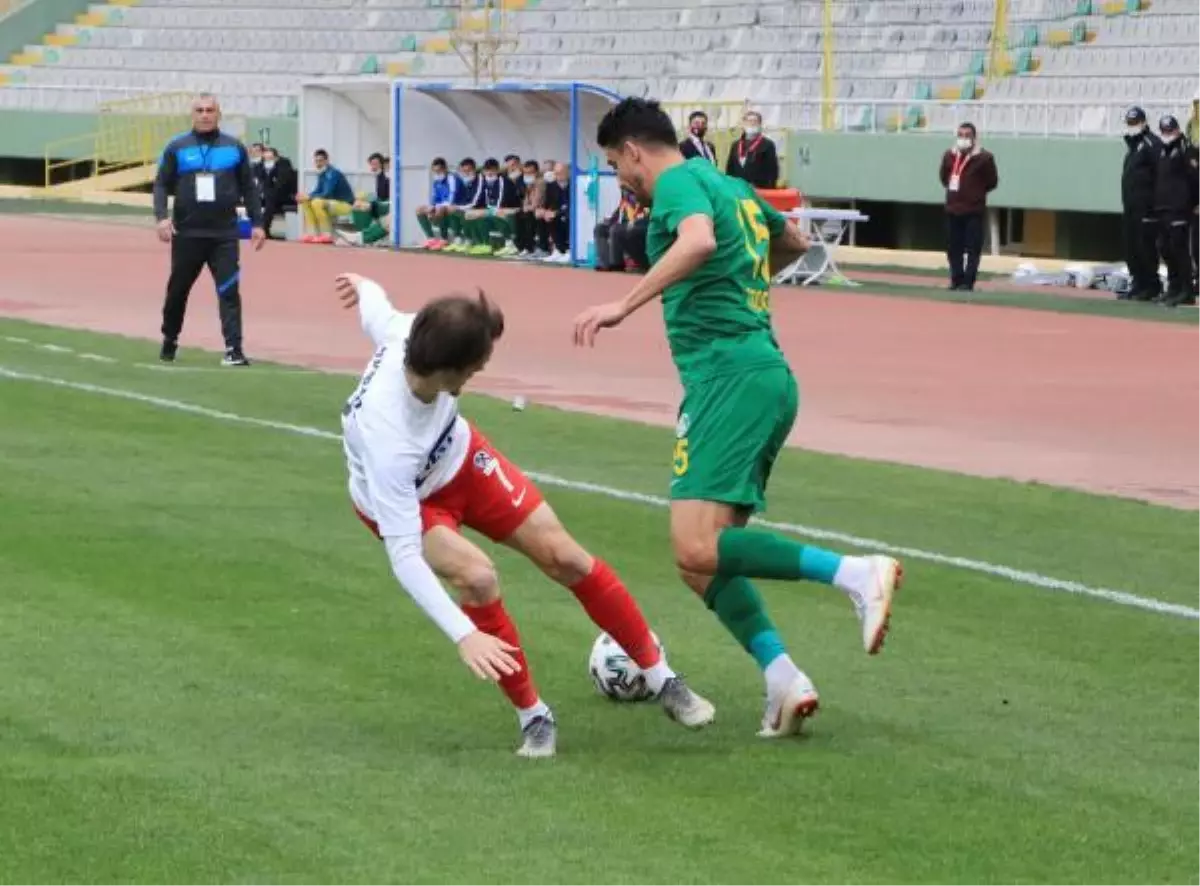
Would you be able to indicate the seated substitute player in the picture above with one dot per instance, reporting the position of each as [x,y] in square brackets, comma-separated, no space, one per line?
[443,193]
[491,211]
[418,472]
[711,242]
[469,185]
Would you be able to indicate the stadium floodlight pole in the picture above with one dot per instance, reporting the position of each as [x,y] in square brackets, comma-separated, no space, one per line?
[998,65]
[827,82]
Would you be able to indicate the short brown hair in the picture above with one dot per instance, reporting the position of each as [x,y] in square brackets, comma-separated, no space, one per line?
[453,333]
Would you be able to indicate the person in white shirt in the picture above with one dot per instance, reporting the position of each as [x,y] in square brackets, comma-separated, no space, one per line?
[418,471]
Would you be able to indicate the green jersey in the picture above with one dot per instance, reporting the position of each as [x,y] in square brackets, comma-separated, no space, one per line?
[718,320]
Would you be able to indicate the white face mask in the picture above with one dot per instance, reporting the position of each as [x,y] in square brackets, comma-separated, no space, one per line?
[530,179]
[963,144]
[1133,131]
[548,175]
[468,177]
[439,177]
[1169,137]
[751,131]
[268,165]
[489,177]
[514,174]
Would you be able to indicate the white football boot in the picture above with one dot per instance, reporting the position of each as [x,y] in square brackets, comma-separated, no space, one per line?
[787,711]
[873,600]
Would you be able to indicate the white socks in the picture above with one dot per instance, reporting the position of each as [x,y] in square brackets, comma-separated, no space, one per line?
[658,675]
[528,715]
[780,673]
[852,576]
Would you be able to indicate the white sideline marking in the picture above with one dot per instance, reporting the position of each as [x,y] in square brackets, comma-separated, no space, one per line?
[97,358]
[225,370]
[1018,576]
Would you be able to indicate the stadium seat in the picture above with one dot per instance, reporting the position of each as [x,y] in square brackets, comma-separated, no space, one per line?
[891,51]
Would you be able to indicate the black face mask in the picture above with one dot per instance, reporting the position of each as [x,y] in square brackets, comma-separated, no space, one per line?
[699,132]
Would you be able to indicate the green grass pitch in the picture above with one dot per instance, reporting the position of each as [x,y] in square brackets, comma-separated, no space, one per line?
[207,673]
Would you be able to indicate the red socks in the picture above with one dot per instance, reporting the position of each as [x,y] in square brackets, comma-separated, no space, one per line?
[493,619]
[613,609]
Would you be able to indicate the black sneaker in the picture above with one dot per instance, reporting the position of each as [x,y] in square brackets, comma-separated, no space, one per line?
[168,351]
[235,357]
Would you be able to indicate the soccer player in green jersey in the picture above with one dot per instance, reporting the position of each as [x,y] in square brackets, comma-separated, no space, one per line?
[712,242]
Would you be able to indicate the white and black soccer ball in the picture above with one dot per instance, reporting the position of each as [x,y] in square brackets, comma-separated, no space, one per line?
[615,674]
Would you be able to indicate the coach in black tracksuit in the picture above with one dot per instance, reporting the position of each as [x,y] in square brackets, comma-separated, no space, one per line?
[1175,199]
[210,174]
[1139,225]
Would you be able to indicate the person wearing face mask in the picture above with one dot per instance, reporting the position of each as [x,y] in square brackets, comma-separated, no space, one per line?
[554,218]
[490,215]
[1175,200]
[464,198]
[279,186]
[968,173]
[1137,203]
[752,157]
[443,189]
[533,189]
[695,145]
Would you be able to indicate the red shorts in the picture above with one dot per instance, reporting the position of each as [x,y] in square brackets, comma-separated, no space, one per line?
[488,494]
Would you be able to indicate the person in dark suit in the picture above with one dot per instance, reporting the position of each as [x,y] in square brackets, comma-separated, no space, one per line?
[1137,203]
[695,145]
[279,186]
[752,157]
[969,174]
[1175,201]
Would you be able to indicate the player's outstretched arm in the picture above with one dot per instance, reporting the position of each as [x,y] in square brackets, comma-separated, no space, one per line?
[488,657]
[789,245]
[375,311]
[695,241]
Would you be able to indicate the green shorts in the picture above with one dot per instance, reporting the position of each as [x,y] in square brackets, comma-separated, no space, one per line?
[730,431]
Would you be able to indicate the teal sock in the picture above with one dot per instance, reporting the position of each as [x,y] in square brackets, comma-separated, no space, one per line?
[758,554]
[739,607]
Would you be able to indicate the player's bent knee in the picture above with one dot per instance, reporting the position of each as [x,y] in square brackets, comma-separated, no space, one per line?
[544,540]
[696,556]
[697,582]
[477,584]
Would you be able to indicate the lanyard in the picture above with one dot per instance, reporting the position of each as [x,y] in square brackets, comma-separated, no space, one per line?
[960,163]
[743,151]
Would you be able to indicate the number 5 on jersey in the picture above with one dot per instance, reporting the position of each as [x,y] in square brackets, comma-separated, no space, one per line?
[758,240]
[680,463]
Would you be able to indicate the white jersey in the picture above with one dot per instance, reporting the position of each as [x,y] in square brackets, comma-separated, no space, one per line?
[400,450]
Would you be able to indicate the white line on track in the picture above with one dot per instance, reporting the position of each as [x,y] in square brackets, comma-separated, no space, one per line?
[1018,576]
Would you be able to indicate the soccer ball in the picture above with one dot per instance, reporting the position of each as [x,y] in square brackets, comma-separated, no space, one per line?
[615,674]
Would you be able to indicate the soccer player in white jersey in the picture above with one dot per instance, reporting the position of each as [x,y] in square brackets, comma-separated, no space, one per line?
[419,472]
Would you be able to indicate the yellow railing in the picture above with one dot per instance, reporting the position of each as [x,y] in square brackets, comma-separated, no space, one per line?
[130,133]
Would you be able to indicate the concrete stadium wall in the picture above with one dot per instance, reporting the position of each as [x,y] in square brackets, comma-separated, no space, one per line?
[32,22]
[1080,175]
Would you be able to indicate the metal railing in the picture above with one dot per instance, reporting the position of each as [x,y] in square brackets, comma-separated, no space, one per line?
[130,133]
[1038,118]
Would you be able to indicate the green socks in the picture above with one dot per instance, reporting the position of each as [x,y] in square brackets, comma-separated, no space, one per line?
[422,220]
[739,607]
[373,233]
[444,226]
[757,554]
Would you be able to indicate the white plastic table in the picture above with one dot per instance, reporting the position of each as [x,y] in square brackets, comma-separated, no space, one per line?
[826,228]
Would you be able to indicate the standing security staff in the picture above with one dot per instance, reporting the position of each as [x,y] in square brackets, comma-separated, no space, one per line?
[210,174]
[1175,199]
[1139,225]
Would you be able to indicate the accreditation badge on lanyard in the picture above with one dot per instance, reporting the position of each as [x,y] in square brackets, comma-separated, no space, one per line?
[956,171]
[206,186]
[744,152]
